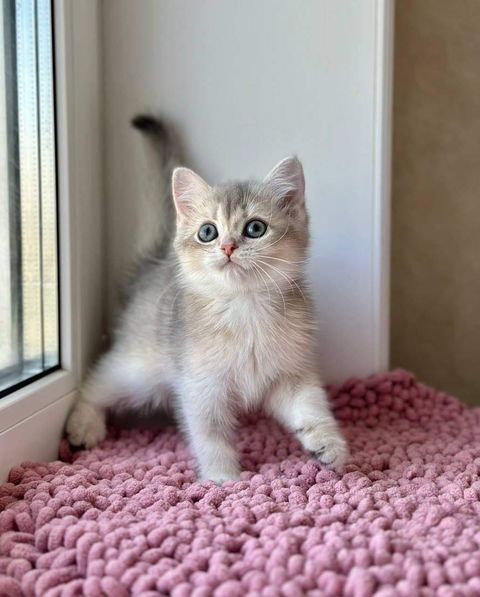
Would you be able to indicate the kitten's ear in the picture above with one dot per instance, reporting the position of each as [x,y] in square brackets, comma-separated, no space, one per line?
[287,183]
[188,188]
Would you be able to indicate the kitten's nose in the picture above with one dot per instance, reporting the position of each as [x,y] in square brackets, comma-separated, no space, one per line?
[228,248]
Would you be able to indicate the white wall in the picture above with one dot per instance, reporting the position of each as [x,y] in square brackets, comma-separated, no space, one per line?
[248,83]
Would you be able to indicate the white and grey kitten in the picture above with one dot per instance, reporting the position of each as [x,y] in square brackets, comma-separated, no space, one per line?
[222,325]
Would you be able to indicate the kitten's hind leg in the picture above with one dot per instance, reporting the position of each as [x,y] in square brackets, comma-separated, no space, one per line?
[105,386]
[86,424]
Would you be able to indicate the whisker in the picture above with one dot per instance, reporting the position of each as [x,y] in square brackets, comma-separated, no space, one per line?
[279,289]
[288,278]
[258,273]
[283,260]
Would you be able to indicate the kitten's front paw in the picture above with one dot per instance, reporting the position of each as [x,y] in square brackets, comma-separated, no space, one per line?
[327,445]
[86,425]
[219,476]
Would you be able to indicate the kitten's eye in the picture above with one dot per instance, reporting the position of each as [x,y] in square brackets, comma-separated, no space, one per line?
[255,229]
[207,233]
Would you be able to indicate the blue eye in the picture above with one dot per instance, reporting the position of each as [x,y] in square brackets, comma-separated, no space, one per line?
[255,229]
[207,233]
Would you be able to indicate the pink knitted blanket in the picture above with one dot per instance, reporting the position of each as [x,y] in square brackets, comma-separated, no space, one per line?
[129,518]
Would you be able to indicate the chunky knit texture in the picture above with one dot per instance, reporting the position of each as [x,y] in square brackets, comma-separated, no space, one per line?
[129,518]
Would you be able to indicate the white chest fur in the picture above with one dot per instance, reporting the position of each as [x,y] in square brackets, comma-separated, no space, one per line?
[252,344]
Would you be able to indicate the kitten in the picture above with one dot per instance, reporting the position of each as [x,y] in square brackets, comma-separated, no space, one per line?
[222,324]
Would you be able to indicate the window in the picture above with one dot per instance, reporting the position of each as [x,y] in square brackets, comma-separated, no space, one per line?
[29,318]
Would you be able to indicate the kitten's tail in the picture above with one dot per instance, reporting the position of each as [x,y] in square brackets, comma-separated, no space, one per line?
[157,213]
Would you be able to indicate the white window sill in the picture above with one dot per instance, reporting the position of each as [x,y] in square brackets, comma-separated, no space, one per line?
[31,420]
[34,397]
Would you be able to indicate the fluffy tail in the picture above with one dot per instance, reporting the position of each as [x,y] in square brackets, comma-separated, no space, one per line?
[157,213]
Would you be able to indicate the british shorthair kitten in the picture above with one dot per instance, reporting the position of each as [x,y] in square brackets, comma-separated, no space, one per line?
[219,321]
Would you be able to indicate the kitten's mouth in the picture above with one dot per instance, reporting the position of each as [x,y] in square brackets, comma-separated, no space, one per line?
[230,265]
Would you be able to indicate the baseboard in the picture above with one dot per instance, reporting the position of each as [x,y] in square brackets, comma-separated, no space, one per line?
[35,438]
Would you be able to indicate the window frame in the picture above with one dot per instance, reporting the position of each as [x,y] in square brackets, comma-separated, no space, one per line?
[24,370]
[32,417]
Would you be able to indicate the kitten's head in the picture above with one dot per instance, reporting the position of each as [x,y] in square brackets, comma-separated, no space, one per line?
[240,237]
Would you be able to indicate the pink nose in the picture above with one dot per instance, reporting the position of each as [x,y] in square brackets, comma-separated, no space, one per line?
[228,248]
